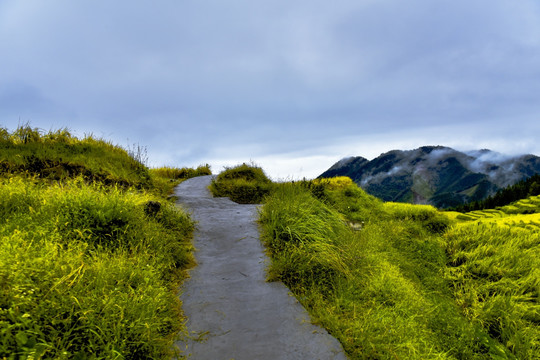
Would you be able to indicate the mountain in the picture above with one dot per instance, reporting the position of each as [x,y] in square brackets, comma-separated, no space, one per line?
[436,175]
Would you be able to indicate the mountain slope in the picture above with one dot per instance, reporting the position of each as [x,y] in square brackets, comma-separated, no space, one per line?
[436,175]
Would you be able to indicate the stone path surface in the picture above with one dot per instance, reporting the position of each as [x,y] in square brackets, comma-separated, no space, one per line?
[233,313]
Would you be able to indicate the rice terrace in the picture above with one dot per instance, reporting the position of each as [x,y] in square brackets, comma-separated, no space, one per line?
[98,252]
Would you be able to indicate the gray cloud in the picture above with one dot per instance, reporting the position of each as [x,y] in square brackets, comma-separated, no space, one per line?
[276,78]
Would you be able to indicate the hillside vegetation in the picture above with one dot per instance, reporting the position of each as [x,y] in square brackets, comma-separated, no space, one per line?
[402,281]
[91,251]
[58,155]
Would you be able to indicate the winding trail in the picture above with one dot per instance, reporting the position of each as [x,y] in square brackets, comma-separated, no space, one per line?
[233,313]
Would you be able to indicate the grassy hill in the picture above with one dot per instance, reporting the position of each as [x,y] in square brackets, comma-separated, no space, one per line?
[59,155]
[91,251]
[401,281]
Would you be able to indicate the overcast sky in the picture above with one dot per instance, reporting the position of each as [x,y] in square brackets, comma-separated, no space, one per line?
[292,85]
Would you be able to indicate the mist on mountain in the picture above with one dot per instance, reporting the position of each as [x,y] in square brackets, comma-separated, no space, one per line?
[436,175]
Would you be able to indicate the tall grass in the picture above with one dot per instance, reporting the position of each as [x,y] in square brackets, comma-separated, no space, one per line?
[380,288]
[85,272]
[493,269]
[168,172]
[166,178]
[301,239]
[59,155]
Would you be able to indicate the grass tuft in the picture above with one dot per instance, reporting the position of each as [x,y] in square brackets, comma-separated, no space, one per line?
[244,184]
[301,240]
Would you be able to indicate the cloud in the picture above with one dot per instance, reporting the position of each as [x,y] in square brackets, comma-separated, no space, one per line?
[302,80]
[483,159]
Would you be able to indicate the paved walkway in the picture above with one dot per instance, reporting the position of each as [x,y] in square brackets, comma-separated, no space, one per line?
[233,313]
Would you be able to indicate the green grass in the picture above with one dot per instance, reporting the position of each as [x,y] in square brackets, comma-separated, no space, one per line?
[301,239]
[164,179]
[493,269]
[91,251]
[520,211]
[172,173]
[84,270]
[529,205]
[391,288]
[244,184]
[59,155]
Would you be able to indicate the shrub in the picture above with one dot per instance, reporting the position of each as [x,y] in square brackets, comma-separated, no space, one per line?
[245,172]
[347,198]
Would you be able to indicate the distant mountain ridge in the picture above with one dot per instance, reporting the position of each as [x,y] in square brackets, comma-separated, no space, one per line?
[436,175]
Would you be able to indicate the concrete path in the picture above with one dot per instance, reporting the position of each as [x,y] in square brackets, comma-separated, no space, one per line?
[233,313]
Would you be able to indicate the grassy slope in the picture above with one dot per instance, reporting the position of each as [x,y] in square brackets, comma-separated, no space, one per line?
[58,155]
[87,269]
[493,269]
[406,286]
